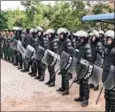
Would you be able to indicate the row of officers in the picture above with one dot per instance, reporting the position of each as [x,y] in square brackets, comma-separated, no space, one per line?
[89,44]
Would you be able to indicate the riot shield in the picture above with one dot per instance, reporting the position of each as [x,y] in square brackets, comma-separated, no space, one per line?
[68,63]
[50,58]
[89,71]
[64,60]
[29,51]
[82,68]
[109,83]
[20,48]
[40,53]
[96,76]
[13,45]
[98,61]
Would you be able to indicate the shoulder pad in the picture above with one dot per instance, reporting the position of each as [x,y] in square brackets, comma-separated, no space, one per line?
[87,46]
[113,51]
[55,40]
[68,40]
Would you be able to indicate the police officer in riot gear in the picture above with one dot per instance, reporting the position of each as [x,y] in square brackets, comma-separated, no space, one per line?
[23,43]
[53,46]
[94,40]
[100,47]
[73,39]
[109,60]
[1,45]
[17,57]
[41,41]
[64,45]
[76,36]
[28,40]
[19,54]
[33,72]
[85,53]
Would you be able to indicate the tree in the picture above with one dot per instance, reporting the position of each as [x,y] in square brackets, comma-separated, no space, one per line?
[3,20]
[30,11]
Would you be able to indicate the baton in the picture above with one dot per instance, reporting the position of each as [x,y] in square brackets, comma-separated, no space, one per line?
[55,73]
[99,96]
[72,82]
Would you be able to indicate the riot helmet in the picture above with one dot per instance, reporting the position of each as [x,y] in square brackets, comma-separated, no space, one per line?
[110,38]
[50,33]
[82,37]
[62,33]
[39,31]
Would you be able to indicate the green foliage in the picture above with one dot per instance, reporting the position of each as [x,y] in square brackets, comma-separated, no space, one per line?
[3,20]
[62,14]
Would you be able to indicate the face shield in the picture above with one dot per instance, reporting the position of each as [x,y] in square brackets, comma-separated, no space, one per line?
[109,80]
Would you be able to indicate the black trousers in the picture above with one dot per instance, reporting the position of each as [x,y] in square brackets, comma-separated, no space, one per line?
[34,66]
[109,100]
[27,65]
[16,59]
[65,80]
[20,60]
[84,89]
[52,74]
[41,69]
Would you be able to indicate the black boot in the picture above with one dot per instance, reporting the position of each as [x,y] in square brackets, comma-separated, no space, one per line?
[59,73]
[66,92]
[78,99]
[41,79]
[52,84]
[47,83]
[38,77]
[91,86]
[23,70]
[60,90]
[19,67]
[33,75]
[30,73]
[96,88]
[15,64]
[84,103]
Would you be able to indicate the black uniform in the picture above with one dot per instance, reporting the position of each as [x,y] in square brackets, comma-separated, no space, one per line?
[17,55]
[65,45]
[109,59]
[42,41]
[73,42]
[96,48]
[28,40]
[85,53]
[33,61]
[1,45]
[53,46]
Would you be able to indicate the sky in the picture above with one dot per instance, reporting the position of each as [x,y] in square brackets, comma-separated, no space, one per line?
[16,4]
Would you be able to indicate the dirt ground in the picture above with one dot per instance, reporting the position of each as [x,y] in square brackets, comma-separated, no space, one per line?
[20,92]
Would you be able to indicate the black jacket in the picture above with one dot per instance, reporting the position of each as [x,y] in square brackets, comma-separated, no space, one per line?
[85,52]
[65,45]
[53,45]
[28,40]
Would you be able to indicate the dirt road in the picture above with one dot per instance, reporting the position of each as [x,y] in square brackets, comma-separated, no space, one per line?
[20,92]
